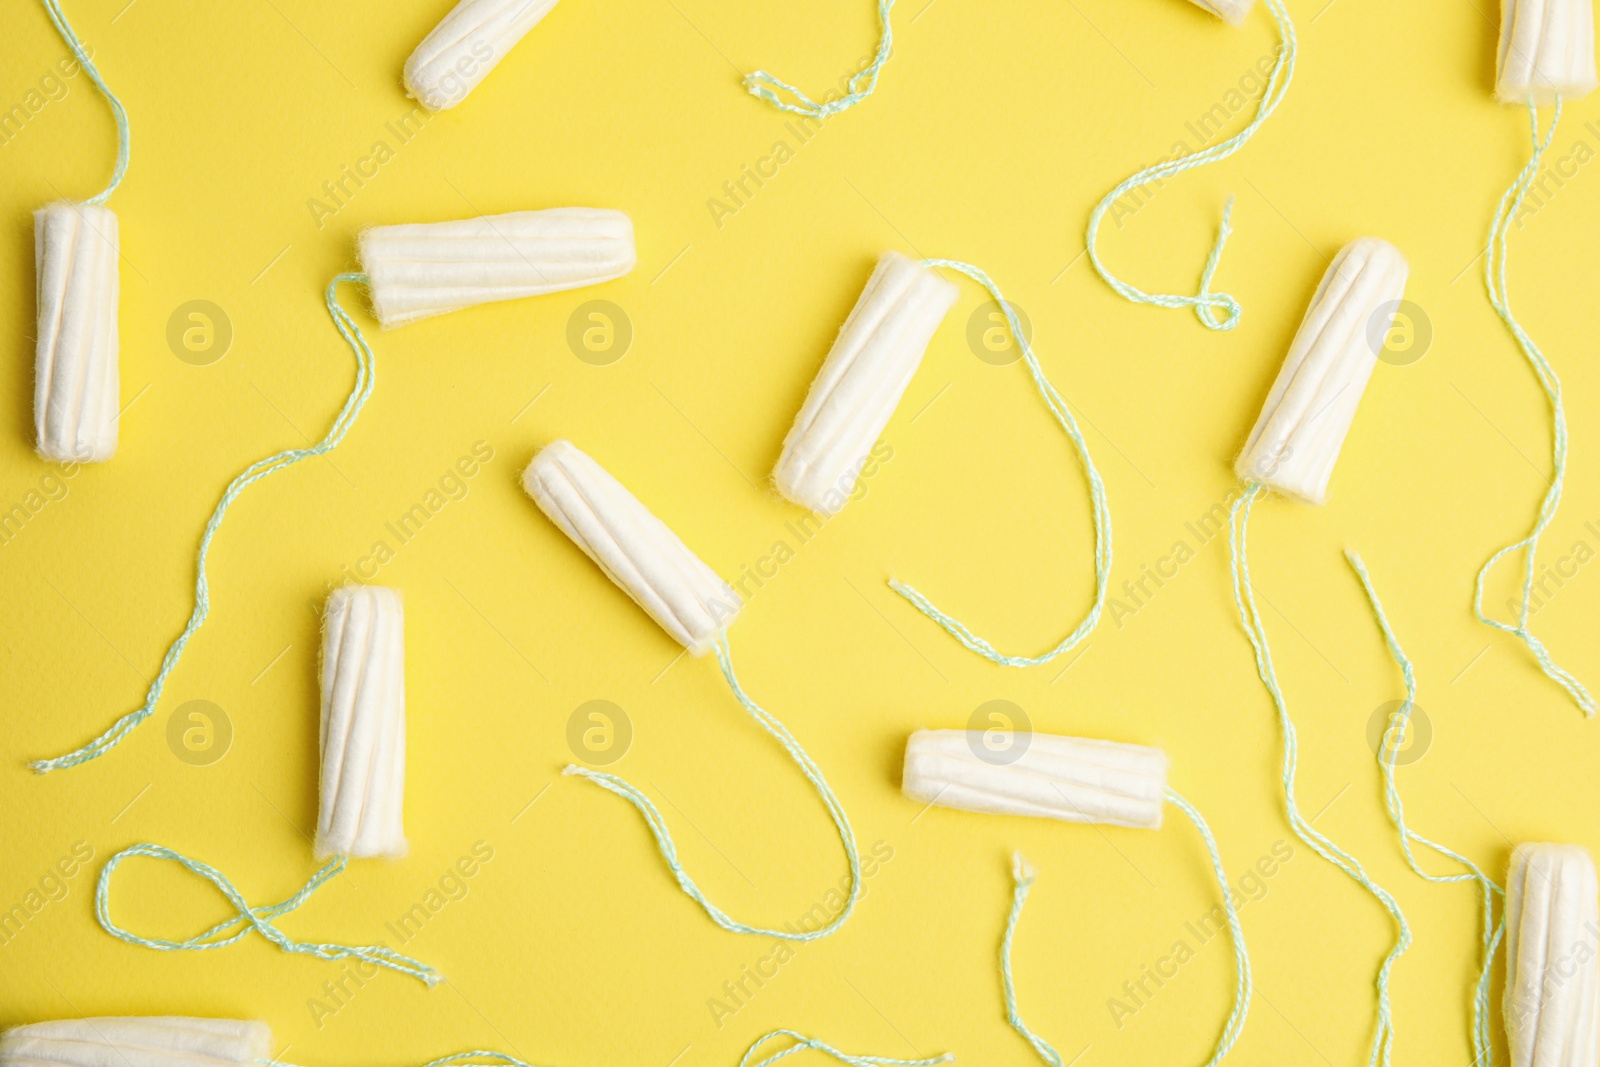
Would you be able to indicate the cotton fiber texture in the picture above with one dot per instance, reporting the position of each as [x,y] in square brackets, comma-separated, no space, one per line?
[1303,424]
[1552,996]
[1546,51]
[466,46]
[422,269]
[147,1041]
[633,547]
[1231,11]
[1069,778]
[852,398]
[76,385]
[363,725]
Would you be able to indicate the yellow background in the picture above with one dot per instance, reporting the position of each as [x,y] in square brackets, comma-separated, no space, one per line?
[995,129]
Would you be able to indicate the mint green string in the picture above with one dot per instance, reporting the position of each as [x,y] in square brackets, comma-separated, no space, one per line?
[1206,303]
[1022,874]
[1097,498]
[669,851]
[1494,276]
[1244,598]
[481,1058]
[251,474]
[802,1043]
[477,1057]
[1482,1038]
[1022,877]
[124,138]
[860,86]
[247,918]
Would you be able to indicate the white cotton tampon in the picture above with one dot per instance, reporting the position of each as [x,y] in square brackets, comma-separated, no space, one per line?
[1303,424]
[1546,51]
[633,547]
[76,390]
[852,398]
[422,269]
[1229,11]
[146,1041]
[362,798]
[1552,997]
[466,46]
[1069,778]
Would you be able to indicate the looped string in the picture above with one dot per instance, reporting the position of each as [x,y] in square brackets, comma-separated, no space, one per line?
[860,86]
[1494,275]
[1217,311]
[254,473]
[1482,1037]
[124,139]
[247,918]
[1022,874]
[1208,302]
[802,1042]
[1244,598]
[669,850]
[1097,498]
